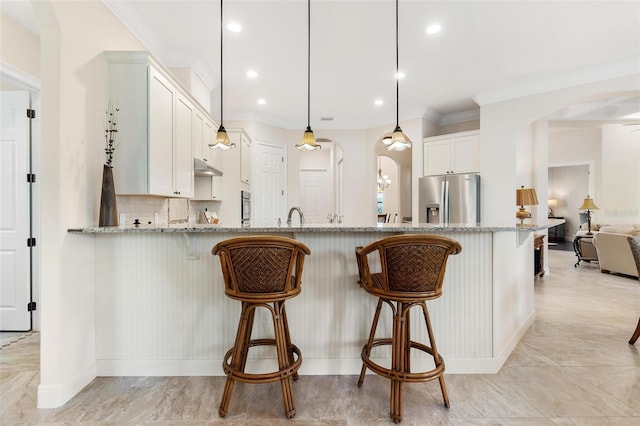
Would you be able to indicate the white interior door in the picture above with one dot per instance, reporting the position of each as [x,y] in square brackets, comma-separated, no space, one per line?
[269,195]
[314,195]
[15,286]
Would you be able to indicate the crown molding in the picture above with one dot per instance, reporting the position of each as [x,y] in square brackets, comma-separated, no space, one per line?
[460,117]
[601,72]
[432,115]
[20,77]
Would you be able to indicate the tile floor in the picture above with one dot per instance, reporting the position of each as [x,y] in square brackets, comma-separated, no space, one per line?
[573,367]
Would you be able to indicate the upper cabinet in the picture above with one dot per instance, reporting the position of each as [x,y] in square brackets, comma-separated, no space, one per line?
[453,153]
[205,130]
[243,143]
[161,128]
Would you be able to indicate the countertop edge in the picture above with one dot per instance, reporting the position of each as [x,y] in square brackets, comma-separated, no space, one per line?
[320,228]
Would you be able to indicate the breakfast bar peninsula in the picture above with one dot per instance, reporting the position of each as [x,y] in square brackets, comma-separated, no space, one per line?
[161,307]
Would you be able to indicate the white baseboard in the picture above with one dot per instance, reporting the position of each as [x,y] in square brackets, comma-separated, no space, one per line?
[506,350]
[56,395]
[310,367]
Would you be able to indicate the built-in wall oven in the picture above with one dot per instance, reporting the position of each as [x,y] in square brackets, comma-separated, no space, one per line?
[245,208]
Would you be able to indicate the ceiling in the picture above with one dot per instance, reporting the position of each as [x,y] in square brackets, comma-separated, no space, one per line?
[487,51]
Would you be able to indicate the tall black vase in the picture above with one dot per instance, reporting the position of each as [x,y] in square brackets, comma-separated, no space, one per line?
[108,207]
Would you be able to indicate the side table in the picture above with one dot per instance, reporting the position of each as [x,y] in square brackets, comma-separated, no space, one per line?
[538,255]
[584,248]
[556,233]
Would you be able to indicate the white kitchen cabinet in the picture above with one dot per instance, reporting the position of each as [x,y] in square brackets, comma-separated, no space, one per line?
[453,153]
[205,131]
[155,124]
[198,136]
[182,148]
[161,132]
[243,142]
[208,188]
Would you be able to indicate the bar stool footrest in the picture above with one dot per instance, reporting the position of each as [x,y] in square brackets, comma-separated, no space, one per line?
[411,377]
[274,376]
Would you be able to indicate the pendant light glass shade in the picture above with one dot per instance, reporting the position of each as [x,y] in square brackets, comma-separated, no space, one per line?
[222,140]
[397,140]
[308,139]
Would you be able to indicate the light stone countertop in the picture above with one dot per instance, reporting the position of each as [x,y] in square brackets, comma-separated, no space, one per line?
[318,228]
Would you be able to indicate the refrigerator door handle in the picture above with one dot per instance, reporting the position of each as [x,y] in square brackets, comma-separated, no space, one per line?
[444,203]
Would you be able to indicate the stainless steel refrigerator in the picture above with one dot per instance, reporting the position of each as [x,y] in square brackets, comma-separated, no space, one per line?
[450,198]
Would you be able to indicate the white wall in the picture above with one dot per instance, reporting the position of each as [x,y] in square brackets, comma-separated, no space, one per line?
[74,98]
[619,200]
[613,153]
[19,47]
[578,146]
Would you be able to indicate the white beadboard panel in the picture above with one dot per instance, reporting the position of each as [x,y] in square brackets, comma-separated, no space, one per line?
[160,299]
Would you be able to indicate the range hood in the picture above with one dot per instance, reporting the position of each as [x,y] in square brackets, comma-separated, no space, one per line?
[202,168]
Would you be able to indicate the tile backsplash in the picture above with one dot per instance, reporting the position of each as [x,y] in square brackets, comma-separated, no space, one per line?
[160,211]
[148,210]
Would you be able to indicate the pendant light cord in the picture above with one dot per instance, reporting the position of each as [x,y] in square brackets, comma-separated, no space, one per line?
[397,76]
[221,74]
[308,64]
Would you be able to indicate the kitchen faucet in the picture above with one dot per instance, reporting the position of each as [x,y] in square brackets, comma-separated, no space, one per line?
[291,210]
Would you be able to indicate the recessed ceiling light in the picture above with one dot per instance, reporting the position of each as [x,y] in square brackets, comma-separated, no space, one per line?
[433,29]
[234,27]
[252,74]
[261,101]
[400,75]
[378,102]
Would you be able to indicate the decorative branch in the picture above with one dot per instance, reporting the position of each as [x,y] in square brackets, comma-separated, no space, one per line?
[111,131]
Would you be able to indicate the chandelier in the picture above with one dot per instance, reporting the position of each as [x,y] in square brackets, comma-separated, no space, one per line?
[383,180]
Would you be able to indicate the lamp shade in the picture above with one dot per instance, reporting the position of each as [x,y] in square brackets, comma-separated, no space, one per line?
[552,202]
[526,197]
[308,141]
[398,140]
[588,204]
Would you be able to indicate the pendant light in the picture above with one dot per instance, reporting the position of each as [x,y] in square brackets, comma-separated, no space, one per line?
[397,140]
[308,139]
[222,138]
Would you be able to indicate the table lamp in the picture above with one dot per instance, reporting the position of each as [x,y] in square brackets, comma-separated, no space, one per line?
[552,202]
[588,205]
[525,197]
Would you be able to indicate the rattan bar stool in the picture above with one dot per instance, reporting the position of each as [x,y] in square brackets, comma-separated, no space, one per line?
[262,271]
[413,268]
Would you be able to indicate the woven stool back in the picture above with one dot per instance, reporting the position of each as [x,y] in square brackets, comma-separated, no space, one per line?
[264,268]
[412,266]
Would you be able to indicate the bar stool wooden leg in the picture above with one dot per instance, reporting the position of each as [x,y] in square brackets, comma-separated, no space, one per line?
[369,344]
[288,340]
[282,349]
[398,357]
[239,356]
[407,340]
[436,356]
[247,335]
